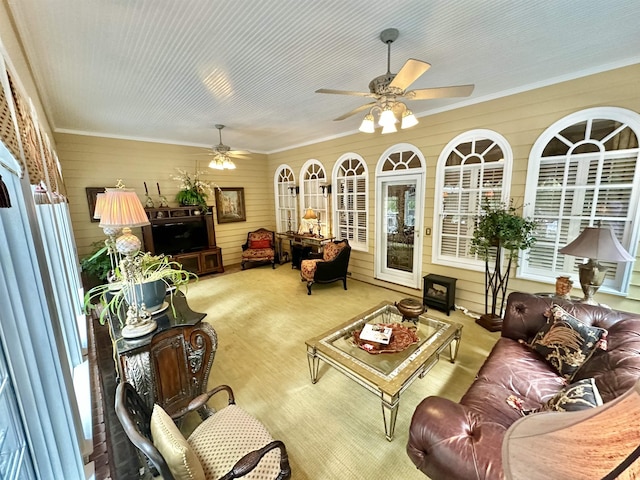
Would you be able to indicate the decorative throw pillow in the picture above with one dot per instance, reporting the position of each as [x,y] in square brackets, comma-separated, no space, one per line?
[331,250]
[566,343]
[181,459]
[260,244]
[580,395]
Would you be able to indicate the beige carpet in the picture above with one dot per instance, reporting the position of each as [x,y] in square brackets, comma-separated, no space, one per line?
[333,429]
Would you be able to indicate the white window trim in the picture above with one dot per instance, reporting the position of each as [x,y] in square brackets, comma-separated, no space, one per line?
[632,119]
[469,136]
[411,280]
[324,210]
[276,192]
[361,246]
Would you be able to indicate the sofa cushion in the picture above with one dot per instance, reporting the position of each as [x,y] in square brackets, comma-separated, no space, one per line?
[580,395]
[255,244]
[565,342]
[178,454]
[331,250]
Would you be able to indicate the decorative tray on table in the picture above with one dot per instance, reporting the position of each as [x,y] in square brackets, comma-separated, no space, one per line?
[400,338]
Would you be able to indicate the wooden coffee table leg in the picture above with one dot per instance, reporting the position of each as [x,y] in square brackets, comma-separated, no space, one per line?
[390,406]
[314,363]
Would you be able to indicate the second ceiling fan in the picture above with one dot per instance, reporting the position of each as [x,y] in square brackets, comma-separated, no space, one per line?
[388,88]
[222,154]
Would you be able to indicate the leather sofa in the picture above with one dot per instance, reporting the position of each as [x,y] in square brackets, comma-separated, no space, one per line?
[449,440]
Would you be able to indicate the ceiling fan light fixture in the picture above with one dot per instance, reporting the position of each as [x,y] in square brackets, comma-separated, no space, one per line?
[216,164]
[389,129]
[387,118]
[368,124]
[408,119]
[227,164]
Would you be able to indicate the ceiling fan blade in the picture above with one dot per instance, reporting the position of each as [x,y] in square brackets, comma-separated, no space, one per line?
[344,92]
[440,92]
[238,153]
[409,73]
[354,111]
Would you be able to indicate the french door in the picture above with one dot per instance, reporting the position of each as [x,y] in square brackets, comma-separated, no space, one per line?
[399,213]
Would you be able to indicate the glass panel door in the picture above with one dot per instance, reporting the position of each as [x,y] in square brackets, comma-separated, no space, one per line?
[399,214]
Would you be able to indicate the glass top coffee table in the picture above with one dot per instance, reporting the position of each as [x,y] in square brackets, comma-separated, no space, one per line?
[384,374]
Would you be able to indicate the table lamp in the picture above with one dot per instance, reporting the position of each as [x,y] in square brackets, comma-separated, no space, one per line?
[111,233]
[601,442]
[595,243]
[310,215]
[123,209]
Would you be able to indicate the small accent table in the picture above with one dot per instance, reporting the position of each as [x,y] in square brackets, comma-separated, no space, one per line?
[386,375]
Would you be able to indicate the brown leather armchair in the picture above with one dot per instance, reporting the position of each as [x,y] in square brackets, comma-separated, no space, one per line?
[260,247]
[329,266]
[229,444]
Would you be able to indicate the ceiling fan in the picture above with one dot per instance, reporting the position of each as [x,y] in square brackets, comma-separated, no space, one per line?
[222,154]
[388,88]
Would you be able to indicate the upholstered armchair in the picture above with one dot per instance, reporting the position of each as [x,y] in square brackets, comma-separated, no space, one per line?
[260,247]
[229,444]
[329,266]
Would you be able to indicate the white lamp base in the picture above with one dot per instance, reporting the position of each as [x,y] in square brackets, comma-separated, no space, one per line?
[139,330]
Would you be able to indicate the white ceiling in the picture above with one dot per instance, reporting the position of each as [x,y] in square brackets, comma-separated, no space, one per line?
[168,70]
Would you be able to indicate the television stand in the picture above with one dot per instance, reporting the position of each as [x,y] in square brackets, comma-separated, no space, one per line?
[205,258]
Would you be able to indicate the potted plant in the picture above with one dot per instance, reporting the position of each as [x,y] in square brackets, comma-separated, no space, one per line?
[96,266]
[193,190]
[153,276]
[499,228]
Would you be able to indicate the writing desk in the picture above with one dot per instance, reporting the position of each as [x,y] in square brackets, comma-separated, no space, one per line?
[301,245]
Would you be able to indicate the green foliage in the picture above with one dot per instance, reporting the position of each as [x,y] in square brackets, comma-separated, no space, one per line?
[500,225]
[97,263]
[192,197]
[146,268]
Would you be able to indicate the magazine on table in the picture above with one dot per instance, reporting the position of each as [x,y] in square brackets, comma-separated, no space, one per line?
[376,333]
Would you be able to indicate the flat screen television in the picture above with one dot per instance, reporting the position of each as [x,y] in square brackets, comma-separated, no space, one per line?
[184,236]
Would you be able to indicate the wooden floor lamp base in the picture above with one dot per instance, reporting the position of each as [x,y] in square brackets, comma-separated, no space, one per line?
[493,323]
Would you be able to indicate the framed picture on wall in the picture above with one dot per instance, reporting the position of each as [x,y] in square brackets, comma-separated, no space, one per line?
[230,205]
[92,194]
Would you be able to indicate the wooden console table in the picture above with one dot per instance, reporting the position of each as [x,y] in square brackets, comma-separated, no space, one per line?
[171,365]
[300,245]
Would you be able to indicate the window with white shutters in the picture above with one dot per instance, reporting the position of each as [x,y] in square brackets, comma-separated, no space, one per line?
[285,195]
[350,187]
[583,171]
[473,168]
[312,180]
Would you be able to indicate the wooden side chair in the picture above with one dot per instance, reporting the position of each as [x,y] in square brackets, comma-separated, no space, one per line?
[229,444]
[330,266]
[260,247]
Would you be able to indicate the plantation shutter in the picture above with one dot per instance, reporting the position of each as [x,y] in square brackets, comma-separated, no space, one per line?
[471,171]
[351,201]
[586,177]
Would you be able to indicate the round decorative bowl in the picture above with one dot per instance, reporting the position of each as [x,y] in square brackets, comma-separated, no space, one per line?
[410,309]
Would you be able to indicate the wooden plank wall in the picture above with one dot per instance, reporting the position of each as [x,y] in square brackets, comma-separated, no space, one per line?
[521,118]
[89,161]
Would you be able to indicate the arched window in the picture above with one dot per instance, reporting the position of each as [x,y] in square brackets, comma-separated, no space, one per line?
[285,193]
[312,178]
[583,171]
[350,190]
[473,168]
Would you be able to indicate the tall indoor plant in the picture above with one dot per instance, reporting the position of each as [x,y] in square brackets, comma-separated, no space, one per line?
[499,229]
